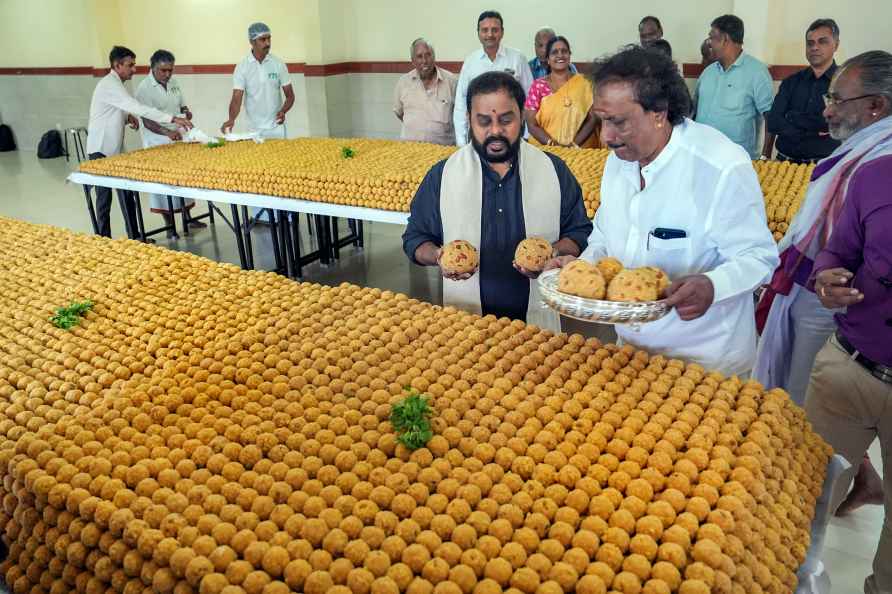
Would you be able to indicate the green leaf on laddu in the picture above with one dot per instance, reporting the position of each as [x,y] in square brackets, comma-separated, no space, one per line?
[68,317]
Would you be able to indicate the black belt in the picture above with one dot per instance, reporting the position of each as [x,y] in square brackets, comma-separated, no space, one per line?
[877,370]
[807,161]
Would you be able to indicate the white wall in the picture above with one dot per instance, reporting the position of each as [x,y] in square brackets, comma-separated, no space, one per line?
[383,29]
[48,33]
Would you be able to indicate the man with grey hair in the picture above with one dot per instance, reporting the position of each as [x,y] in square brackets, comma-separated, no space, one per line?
[160,90]
[838,251]
[539,63]
[424,98]
[261,79]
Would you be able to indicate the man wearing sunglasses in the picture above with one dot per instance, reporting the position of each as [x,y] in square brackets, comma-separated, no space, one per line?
[796,120]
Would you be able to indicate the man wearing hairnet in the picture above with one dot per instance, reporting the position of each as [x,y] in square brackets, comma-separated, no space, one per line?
[261,78]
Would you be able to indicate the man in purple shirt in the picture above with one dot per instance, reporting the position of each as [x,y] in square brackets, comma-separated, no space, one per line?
[849,397]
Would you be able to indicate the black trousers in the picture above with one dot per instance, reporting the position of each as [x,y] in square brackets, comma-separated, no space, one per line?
[103,208]
[785,158]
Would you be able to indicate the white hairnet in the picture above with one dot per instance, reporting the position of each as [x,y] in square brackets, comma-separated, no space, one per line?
[257,30]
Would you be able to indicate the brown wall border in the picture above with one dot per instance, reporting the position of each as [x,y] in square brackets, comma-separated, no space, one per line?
[690,70]
[778,71]
[47,71]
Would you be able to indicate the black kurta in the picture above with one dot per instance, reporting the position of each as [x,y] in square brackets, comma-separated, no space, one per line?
[503,290]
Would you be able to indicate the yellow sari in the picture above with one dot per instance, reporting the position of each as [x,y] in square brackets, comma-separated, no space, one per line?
[561,114]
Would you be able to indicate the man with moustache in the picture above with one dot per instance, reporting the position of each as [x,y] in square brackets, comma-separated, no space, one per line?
[849,396]
[829,327]
[680,196]
[491,57]
[649,30]
[111,108]
[162,91]
[424,98]
[494,193]
[261,79]
[796,123]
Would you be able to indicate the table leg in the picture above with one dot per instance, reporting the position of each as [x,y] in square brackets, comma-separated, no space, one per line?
[91,210]
[322,240]
[239,238]
[140,225]
[210,213]
[183,218]
[295,239]
[173,218]
[249,246]
[335,248]
[274,236]
[287,248]
[122,202]
[328,242]
[360,235]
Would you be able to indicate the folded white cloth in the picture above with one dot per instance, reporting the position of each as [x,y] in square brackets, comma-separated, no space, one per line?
[233,137]
[196,135]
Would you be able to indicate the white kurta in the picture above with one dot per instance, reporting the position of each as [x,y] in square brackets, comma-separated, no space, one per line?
[705,185]
[109,107]
[170,100]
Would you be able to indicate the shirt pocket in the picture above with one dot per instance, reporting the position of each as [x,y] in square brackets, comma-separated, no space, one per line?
[666,245]
[732,97]
[441,110]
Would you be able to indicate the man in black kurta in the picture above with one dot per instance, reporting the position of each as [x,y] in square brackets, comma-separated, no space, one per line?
[504,291]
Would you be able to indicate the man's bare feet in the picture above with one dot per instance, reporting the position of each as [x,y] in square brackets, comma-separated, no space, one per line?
[866,490]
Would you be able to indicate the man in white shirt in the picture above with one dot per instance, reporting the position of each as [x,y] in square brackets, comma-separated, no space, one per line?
[160,90]
[111,107]
[681,196]
[261,79]
[492,56]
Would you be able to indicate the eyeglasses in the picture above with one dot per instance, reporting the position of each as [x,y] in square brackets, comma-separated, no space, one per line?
[830,100]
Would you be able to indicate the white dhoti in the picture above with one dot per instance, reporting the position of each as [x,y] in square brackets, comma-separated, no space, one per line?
[796,329]
[461,203]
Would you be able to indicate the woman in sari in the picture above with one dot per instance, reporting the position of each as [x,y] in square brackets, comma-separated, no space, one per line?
[558,105]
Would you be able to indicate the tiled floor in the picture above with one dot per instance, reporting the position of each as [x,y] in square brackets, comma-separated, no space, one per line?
[36,191]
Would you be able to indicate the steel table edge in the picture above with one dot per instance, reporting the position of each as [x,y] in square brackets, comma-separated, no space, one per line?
[258,200]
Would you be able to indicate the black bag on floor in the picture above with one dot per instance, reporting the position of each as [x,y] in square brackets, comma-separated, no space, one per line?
[7,142]
[50,145]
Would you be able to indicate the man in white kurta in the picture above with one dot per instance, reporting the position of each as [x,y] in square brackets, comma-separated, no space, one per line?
[110,108]
[491,57]
[163,92]
[681,196]
[702,184]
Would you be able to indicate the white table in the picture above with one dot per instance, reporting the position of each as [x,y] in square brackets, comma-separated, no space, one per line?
[238,199]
